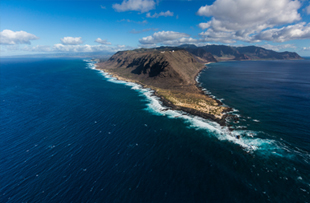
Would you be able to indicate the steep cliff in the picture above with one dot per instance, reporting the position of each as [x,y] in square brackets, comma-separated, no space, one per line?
[165,69]
[171,73]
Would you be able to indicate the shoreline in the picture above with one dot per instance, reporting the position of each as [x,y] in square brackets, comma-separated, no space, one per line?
[166,103]
[222,127]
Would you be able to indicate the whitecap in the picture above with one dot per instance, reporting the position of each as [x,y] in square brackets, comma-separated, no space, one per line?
[244,138]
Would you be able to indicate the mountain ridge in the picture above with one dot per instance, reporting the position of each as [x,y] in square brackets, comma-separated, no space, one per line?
[171,72]
[223,53]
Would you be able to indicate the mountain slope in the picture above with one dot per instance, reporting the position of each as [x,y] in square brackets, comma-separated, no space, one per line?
[254,52]
[171,73]
[165,69]
[223,52]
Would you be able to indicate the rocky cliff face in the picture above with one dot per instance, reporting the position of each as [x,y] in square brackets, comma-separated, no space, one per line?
[171,73]
[157,68]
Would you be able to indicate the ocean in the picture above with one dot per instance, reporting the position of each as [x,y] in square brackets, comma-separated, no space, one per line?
[71,133]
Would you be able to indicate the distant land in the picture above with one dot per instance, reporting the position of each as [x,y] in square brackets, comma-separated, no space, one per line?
[171,72]
[224,53]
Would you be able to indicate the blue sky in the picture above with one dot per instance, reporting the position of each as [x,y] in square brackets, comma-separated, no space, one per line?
[68,26]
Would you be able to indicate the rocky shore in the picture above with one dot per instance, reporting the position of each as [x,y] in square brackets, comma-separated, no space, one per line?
[171,73]
[190,108]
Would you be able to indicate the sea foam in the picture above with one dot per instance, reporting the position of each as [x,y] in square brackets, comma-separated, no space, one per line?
[246,141]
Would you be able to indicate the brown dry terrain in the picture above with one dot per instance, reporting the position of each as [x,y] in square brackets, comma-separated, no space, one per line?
[171,73]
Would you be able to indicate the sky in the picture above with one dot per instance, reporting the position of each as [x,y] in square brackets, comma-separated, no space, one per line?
[77,26]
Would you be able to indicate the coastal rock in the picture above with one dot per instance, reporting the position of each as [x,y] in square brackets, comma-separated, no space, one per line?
[171,74]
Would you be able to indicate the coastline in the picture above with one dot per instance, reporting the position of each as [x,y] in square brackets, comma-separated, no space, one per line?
[166,103]
[221,128]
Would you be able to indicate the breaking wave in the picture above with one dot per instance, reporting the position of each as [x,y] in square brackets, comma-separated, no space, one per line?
[248,140]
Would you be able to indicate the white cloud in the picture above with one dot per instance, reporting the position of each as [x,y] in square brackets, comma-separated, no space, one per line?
[204,25]
[211,36]
[87,48]
[72,48]
[14,47]
[187,40]
[132,21]
[59,48]
[135,5]
[133,31]
[291,32]
[170,38]
[9,37]
[71,40]
[162,37]
[308,10]
[156,15]
[278,47]
[38,48]
[242,19]
[306,49]
[248,14]
[103,7]
[121,46]
[102,41]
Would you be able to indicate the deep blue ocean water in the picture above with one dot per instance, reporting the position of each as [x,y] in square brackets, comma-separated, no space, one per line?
[70,133]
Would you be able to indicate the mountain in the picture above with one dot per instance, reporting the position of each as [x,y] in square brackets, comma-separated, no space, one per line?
[254,52]
[171,72]
[157,68]
[223,52]
[201,54]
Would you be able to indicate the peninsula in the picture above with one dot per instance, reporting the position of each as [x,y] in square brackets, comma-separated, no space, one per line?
[171,73]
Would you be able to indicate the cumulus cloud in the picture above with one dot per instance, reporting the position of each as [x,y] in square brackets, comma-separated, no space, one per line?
[121,46]
[291,32]
[102,41]
[57,48]
[86,48]
[248,14]
[162,37]
[176,42]
[211,36]
[308,10]
[13,47]
[72,48]
[132,21]
[9,37]
[278,47]
[156,15]
[62,48]
[135,5]
[306,49]
[133,31]
[38,48]
[71,40]
[170,38]
[242,19]
[204,25]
